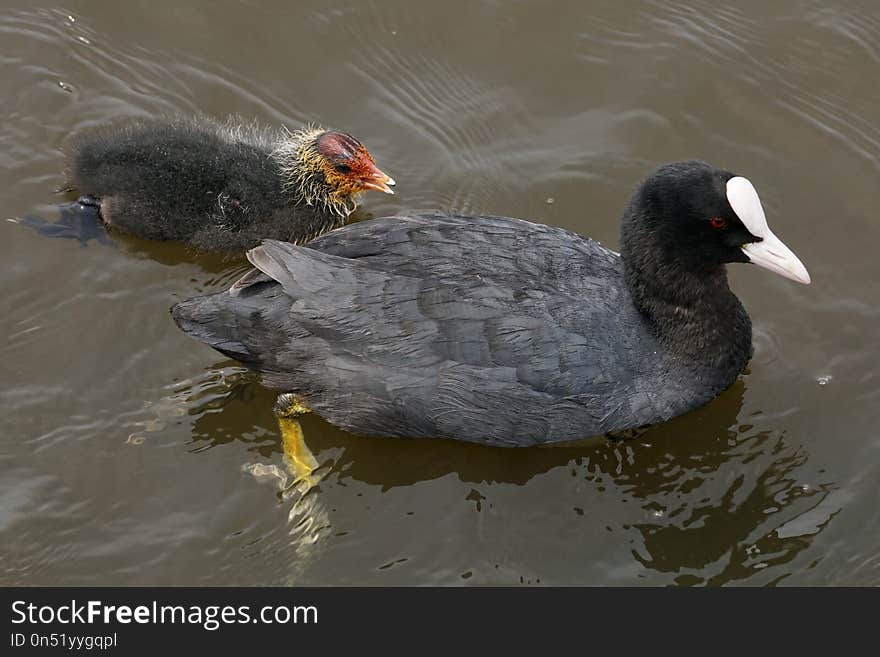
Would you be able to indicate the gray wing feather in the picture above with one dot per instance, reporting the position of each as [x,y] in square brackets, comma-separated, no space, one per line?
[489,330]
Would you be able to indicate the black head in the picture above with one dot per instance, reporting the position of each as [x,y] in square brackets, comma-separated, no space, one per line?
[693,218]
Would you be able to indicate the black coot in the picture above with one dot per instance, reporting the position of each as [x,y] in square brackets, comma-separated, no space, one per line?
[500,331]
[220,186]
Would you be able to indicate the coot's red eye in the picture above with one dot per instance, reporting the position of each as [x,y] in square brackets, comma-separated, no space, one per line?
[718,222]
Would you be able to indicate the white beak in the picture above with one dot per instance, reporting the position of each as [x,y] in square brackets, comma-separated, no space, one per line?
[770,252]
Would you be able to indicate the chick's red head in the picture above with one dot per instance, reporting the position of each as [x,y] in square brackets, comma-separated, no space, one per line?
[348,165]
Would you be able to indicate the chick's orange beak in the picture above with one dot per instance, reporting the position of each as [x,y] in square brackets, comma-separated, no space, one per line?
[374,178]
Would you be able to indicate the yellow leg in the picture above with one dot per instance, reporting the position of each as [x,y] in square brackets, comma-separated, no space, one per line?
[302,464]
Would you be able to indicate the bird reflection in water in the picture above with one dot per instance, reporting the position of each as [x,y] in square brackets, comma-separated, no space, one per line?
[717,499]
[222,400]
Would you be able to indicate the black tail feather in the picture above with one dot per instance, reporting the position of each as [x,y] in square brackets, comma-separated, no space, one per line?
[199,317]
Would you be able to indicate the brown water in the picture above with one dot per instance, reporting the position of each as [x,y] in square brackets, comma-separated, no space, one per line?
[131,454]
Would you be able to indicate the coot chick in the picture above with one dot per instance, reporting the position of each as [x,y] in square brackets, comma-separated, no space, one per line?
[221,186]
[500,331]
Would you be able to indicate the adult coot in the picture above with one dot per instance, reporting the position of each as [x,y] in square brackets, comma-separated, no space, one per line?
[500,331]
[220,186]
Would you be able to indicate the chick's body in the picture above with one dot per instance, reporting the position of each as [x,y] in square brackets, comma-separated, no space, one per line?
[217,186]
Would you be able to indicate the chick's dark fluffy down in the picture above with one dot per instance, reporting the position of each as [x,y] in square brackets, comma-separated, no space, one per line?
[213,185]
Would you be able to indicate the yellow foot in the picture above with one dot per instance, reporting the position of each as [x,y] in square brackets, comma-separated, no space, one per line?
[299,458]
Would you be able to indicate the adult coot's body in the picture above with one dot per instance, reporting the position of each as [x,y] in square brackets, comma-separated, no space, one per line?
[221,186]
[500,331]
